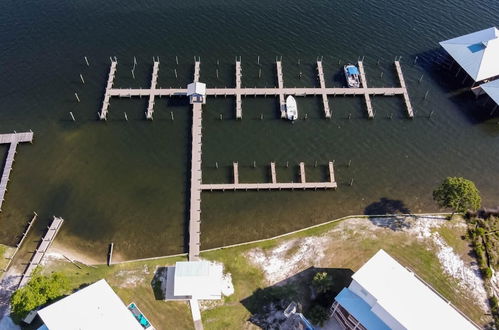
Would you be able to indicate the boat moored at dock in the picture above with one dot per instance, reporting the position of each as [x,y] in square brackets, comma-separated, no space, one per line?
[291,108]
[352,76]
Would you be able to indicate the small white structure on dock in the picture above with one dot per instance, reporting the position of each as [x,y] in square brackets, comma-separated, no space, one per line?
[476,53]
[200,280]
[96,306]
[196,92]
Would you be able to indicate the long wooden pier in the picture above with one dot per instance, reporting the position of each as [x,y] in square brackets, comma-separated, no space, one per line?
[14,139]
[196,176]
[42,248]
[280,91]
[274,185]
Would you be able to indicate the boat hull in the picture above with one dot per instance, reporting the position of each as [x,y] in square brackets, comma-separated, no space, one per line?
[291,108]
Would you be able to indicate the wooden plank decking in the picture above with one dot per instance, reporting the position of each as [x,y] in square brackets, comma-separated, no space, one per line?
[322,81]
[407,100]
[154,80]
[41,249]
[14,139]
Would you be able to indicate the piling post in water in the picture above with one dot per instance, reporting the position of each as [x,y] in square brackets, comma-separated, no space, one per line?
[349,115]
[126,117]
[254,164]
[216,164]
[287,164]
[110,255]
[133,73]
[426,94]
[415,60]
[134,61]
[72,116]
[86,61]
[258,60]
[171,115]
[349,163]
[217,73]
[306,116]
[81,78]
[175,70]
[176,59]
[351,182]
[315,164]
[381,76]
[77,98]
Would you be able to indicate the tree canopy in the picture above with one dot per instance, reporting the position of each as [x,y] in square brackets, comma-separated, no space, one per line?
[37,292]
[459,194]
[322,282]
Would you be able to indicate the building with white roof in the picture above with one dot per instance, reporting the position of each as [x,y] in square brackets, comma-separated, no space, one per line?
[477,53]
[199,280]
[385,295]
[94,307]
[196,92]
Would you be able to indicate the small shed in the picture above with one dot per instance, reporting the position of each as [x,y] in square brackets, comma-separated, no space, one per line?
[196,92]
[476,53]
[201,280]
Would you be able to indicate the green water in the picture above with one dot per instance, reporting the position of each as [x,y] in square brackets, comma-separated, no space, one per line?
[127,181]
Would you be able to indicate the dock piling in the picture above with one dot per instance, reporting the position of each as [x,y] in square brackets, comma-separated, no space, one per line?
[77,98]
[126,117]
[175,70]
[171,115]
[86,61]
[72,116]
[110,255]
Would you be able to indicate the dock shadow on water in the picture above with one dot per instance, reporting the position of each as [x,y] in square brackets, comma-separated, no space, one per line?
[267,305]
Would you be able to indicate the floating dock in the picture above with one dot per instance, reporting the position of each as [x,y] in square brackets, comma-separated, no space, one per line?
[42,248]
[14,139]
[280,91]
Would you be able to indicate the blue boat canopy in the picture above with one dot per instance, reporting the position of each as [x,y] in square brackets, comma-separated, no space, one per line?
[352,70]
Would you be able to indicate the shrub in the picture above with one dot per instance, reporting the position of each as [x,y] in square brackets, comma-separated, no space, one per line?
[318,315]
[322,282]
[487,272]
[37,292]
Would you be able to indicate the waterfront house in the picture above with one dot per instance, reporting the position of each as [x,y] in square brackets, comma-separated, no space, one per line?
[385,295]
[476,53]
[96,306]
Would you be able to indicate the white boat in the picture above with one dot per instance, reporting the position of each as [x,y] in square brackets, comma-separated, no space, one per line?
[291,108]
[352,76]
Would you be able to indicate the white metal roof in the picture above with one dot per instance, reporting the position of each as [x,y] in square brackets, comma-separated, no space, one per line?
[95,307]
[492,89]
[477,53]
[413,304]
[196,88]
[198,279]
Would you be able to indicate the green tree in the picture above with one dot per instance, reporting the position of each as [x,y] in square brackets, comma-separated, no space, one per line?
[37,292]
[458,194]
[322,282]
[318,315]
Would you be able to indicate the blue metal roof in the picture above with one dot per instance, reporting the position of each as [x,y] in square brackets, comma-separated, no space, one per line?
[359,309]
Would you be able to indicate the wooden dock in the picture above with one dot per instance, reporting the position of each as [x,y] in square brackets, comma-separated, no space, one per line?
[370,112]
[42,248]
[274,185]
[109,86]
[239,109]
[407,101]
[154,80]
[196,176]
[14,139]
[280,91]
[322,81]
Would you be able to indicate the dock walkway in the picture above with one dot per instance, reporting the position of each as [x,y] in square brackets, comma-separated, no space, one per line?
[152,94]
[370,112]
[407,100]
[322,81]
[196,176]
[40,251]
[274,185]
[14,139]
[280,91]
